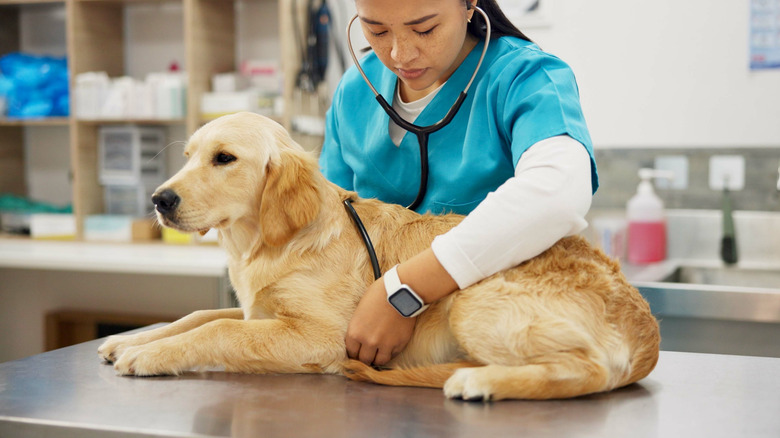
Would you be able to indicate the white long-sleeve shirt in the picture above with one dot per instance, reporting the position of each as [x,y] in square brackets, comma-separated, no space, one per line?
[546,200]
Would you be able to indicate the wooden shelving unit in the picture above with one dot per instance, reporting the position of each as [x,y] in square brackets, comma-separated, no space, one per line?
[47,121]
[159,122]
[11,132]
[28,2]
[94,37]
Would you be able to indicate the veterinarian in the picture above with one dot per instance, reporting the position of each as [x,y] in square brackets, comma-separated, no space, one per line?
[516,158]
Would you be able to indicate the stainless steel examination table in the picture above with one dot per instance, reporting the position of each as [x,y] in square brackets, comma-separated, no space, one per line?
[70,393]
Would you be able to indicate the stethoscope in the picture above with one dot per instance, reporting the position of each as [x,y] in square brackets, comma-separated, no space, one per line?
[422,132]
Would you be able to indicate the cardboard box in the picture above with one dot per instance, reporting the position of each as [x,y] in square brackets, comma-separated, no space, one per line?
[108,228]
[169,235]
[114,228]
[217,104]
[145,230]
[51,226]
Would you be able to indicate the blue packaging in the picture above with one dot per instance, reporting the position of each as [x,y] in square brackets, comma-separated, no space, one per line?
[34,86]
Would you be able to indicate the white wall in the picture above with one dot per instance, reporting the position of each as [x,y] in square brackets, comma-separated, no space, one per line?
[665,72]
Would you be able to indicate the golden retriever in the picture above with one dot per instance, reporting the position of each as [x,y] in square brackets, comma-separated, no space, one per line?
[563,324]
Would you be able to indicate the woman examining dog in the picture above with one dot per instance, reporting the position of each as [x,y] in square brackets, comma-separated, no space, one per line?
[516,159]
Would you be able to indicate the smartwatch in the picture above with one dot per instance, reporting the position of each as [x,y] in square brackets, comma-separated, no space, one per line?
[401,296]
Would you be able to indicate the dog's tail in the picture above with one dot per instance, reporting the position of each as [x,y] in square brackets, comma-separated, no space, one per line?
[432,376]
[565,375]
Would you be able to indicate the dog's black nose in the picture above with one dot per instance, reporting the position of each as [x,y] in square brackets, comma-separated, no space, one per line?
[166,201]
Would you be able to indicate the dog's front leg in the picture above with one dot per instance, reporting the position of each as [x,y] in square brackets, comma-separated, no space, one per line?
[248,346]
[115,345]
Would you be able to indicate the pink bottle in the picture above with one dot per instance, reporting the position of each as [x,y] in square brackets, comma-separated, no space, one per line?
[646,223]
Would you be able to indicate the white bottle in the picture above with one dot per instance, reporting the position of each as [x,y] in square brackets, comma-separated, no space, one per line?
[646,221]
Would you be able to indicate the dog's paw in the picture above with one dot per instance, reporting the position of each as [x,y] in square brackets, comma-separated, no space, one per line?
[147,360]
[113,347]
[469,384]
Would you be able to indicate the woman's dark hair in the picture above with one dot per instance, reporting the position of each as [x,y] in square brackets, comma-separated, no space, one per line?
[500,25]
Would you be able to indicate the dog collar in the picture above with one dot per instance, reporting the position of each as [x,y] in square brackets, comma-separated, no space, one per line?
[364,235]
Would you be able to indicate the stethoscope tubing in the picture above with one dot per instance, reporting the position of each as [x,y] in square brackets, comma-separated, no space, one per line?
[422,132]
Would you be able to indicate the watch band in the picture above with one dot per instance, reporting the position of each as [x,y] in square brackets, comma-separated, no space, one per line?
[392,281]
[393,286]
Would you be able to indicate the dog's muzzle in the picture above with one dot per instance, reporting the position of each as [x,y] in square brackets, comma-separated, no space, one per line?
[166,201]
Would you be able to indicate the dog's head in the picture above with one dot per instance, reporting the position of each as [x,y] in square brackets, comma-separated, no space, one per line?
[241,168]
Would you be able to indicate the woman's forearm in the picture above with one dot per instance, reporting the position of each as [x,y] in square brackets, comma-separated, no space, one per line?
[427,276]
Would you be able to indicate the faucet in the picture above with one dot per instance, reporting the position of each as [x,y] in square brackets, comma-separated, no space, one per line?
[778,178]
[728,243]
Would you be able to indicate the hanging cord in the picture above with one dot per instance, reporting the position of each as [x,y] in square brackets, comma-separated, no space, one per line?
[366,239]
[304,81]
[312,39]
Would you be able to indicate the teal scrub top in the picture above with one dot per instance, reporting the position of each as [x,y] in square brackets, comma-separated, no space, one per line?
[520,96]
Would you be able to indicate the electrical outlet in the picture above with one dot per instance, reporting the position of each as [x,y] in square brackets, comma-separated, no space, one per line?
[727,171]
[677,165]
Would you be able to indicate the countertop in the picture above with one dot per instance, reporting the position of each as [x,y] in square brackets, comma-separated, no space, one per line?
[136,258]
[70,393]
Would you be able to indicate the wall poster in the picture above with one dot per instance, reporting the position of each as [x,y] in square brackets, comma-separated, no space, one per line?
[764,34]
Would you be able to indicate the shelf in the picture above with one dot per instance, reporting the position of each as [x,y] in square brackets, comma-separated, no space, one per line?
[65,121]
[278,118]
[164,122]
[29,2]
[46,121]
[127,1]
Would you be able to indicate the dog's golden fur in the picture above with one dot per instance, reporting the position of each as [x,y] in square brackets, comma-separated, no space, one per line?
[563,324]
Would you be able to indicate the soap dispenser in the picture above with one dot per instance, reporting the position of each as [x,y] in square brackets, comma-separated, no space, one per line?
[646,221]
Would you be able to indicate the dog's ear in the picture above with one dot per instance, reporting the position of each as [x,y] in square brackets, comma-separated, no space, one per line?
[290,198]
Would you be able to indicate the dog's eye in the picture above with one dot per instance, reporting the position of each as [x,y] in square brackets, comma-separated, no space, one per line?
[223,158]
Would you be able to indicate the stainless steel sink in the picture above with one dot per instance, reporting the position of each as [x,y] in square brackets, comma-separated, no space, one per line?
[727,276]
[717,309]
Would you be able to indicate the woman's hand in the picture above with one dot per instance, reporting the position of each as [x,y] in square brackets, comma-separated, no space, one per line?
[377,332]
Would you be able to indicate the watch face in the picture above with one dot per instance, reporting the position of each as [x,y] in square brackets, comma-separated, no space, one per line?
[405,302]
